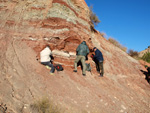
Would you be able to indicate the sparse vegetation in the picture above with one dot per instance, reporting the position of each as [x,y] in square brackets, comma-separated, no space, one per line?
[44,105]
[133,53]
[146,57]
[93,18]
[116,43]
[103,34]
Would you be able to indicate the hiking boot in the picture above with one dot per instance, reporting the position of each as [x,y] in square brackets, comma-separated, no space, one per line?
[74,70]
[100,75]
[84,74]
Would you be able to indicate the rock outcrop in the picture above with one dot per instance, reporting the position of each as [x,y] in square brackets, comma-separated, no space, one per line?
[140,54]
[26,26]
[63,24]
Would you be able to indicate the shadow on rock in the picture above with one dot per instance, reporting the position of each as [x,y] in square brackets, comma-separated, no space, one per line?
[147,75]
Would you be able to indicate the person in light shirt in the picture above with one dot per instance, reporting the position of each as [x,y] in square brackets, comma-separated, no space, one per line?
[45,58]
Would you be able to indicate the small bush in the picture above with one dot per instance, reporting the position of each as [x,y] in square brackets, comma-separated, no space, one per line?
[44,106]
[116,43]
[133,53]
[103,34]
[146,57]
[93,18]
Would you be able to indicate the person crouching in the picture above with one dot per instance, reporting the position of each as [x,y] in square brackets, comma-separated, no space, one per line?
[46,60]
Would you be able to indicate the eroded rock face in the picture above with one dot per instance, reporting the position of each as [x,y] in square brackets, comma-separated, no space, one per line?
[63,24]
[49,20]
[27,26]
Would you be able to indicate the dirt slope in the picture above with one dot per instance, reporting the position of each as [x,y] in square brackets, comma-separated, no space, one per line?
[24,80]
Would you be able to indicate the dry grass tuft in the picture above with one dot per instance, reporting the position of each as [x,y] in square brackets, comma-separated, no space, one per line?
[116,43]
[93,18]
[133,53]
[44,105]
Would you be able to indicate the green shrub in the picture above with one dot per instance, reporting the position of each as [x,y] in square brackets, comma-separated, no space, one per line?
[146,57]
[44,106]
[116,43]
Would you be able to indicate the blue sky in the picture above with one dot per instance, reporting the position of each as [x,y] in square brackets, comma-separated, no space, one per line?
[127,21]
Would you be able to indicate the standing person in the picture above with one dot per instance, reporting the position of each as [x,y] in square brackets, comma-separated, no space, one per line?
[98,58]
[46,60]
[82,51]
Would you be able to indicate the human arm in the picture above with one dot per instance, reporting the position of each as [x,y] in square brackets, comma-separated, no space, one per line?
[96,55]
[88,50]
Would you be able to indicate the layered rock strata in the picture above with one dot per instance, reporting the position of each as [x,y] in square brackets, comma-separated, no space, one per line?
[27,25]
[63,24]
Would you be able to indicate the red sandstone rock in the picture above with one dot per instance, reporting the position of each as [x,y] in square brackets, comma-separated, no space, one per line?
[27,26]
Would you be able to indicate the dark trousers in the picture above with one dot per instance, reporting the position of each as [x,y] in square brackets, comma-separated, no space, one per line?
[50,65]
[99,67]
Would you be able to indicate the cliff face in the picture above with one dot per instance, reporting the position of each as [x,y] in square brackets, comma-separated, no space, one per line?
[61,23]
[52,20]
[26,26]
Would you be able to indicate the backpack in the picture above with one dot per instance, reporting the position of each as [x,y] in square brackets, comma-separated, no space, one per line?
[88,67]
[59,67]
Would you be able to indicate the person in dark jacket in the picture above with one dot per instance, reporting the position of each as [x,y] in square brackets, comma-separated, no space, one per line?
[98,58]
[82,51]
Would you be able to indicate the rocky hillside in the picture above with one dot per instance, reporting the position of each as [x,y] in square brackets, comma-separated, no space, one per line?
[144,51]
[26,26]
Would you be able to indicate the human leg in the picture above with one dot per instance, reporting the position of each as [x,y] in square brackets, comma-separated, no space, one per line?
[52,68]
[101,68]
[97,67]
[83,65]
[50,65]
[75,63]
